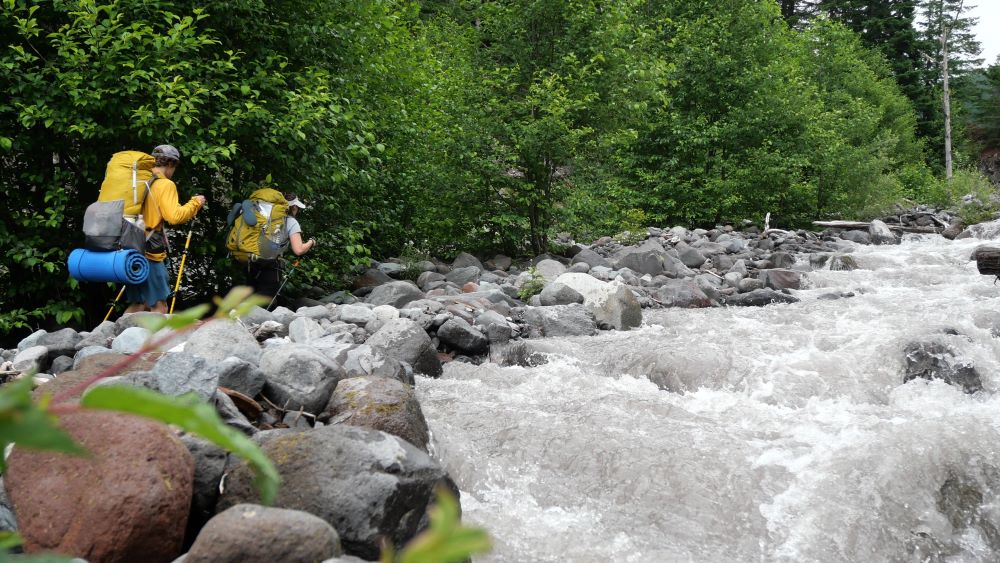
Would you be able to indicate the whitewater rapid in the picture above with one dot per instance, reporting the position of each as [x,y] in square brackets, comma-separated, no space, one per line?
[781,433]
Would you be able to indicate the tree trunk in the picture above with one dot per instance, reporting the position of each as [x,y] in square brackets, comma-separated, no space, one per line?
[947,99]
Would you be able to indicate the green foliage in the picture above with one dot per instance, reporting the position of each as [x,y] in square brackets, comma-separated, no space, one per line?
[533,286]
[446,540]
[971,184]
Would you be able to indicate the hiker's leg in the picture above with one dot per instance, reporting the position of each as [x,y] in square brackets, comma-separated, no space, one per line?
[160,307]
[135,308]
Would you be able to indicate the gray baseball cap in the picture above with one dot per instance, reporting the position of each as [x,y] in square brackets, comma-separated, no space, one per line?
[167,151]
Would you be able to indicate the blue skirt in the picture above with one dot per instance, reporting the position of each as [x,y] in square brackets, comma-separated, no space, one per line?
[156,287]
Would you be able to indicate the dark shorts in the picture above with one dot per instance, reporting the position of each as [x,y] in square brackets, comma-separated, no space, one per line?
[155,288]
[264,276]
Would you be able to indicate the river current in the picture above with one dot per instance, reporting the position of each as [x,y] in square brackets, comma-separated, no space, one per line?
[779,433]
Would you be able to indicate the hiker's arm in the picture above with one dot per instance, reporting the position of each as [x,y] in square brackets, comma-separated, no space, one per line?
[172,211]
[299,247]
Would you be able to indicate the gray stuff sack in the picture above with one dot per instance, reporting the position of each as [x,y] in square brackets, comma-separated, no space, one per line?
[105,228]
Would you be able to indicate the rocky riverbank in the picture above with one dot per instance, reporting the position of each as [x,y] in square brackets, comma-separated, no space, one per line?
[327,391]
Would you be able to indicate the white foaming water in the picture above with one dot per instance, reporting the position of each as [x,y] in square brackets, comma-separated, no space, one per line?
[781,433]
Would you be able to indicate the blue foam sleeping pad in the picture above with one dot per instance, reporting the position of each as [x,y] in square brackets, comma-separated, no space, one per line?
[122,266]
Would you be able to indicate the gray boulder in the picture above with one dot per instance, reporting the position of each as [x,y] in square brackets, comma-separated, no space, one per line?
[371,278]
[355,314]
[140,319]
[299,376]
[361,360]
[859,237]
[179,373]
[30,340]
[88,351]
[257,316]
[502,262]
[365,483]
[690,256]
[682,293]
[32,358]
[495,326]
[100,336]
[557,320]
[220,339]
[936,360]
[590,258]
[782,260]
[397,294]
[406,341]
[209,465]
[465,260]
[61,342]
[61,364]
[239,375]
[251,533]
[556,293]
[462,276]
[550,269]
[304,329]
[379,403]
[425,280]
[612,303]
[880,233]
[781,279]
[647,258]
[843,262]
[460,335]
[130,340]
[747,285]
[759,298]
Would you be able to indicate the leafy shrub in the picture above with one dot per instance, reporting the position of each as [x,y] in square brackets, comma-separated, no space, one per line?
[533,286]
[969,192]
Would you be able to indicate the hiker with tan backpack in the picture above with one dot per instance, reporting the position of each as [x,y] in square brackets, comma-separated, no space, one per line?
[152,200]
[263,227]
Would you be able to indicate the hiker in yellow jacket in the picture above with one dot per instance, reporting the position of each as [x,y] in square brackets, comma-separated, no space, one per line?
[161,205]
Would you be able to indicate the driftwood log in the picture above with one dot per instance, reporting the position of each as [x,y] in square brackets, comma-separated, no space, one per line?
[865,225]
[987,259]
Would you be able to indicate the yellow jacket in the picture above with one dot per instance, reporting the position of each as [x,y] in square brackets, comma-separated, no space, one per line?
[162,204]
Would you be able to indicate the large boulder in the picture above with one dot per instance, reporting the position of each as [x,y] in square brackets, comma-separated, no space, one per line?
[781,279]
[612,303]
[179,373]
[460,335]
[550,269]
[299,377]
[557,320]
[127,501]
[304,329]
[220,339]
[465,260]
[494,326]
[936,360]
[396,294]
[251,533]
[559,294]
[881,234]
[759,298]
[682,293]
[372,277]
[590,258]
[355,314]
[61,342]
[406,341]
[462,276]
[367,484]
[380,403]
[647,258]
[239,375]
[209,466]
[32,358]
[130,340]
[359,360]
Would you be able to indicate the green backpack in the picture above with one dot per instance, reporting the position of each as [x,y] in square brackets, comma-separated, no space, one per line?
[265,236]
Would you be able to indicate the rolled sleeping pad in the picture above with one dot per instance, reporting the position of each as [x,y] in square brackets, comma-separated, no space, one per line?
[121,266]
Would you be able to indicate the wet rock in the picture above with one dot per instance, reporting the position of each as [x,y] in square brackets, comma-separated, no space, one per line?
[494,326]
[843,262]
[218,340]
[251,533]
[557,320]
[128,501]
[381,404]
[518,353]
[859,237]
[239,375]
[782,260]
[406,341]
[458,334]
[130,340]
[759,298]
[952,231]
[936,360]
[360,360]
[682,293]
[299,376]
[556,293]
[365,483]
[396,294]
[781,279]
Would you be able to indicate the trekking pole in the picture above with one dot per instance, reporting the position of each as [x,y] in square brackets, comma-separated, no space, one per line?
[180,271]
[120,293]
[282,286]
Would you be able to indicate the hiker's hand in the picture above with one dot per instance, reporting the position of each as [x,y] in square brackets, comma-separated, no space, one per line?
[312,243]
[201,200]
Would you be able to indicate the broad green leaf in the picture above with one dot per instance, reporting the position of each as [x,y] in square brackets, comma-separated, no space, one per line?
[193,415]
